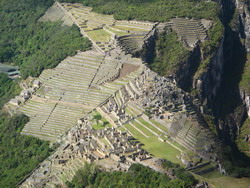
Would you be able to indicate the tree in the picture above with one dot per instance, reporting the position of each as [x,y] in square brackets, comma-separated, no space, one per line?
[97,118]
[176,183]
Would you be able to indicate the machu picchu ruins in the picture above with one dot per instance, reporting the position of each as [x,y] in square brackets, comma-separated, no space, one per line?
[137,107]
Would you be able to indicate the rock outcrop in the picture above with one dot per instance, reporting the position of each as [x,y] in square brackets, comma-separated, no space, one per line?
[209,82]
[244,24]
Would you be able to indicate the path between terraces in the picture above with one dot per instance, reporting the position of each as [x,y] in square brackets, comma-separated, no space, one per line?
[47,100]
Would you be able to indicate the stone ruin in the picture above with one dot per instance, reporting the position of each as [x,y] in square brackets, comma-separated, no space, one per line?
[141,101]
[84,144]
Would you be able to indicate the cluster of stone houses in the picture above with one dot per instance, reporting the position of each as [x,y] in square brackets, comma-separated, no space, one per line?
[25,94]
[110,142]
[85,144]
[147,93]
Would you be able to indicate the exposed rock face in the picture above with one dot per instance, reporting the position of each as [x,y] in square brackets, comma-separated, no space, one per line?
[244,16]
[244,19]
[246,100]
[184,76]
[209,82]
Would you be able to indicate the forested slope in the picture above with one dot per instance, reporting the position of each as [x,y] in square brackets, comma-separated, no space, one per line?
[137,176]
[32,45]
[8,89]
[19,154]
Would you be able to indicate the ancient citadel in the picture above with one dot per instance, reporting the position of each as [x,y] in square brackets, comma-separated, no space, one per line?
[137,107]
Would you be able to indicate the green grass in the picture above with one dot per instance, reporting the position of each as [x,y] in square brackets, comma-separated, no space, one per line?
[149,126]
[129,111]
[129,28]
[222,181]
[240,141]
[156,147]
[143,129]
[162,127]
[244,83]
[104,141]
[122,129]
[134,110]
[98,126]
[119,33]
[99,35]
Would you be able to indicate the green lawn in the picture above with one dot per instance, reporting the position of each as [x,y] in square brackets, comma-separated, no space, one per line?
[225,181]
[129,112]
[122,129]
[99,35]
[156,147]
[149,126]
[160,149]
[119,33]
[162,127]
[100,125]
[143,129]
[129,28]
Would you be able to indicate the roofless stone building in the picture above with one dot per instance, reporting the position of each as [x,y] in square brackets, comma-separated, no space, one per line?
[108,80]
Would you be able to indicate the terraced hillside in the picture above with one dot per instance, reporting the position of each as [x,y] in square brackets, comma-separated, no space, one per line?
[126,114]
[191,31]
[127,111]
[81,83]
[50,119]
[76,86]
[109,85]
[103,29]
[56,14]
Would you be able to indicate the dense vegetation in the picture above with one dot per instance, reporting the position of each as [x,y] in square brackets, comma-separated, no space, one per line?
[18,154]
[245,80]
[243,140]
[8,89]
[137,176]
[153,10]
[236,164]
[32,45]
[169,52]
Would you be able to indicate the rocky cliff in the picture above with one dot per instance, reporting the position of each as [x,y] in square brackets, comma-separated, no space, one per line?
[244,20]
[209,81]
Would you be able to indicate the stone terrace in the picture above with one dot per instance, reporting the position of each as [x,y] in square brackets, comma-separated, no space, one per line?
[76,86]
[171,113]
[191,31]
[131,43]
[103,29]
[138,103]
[71,79]
[49,120]
[54,13]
